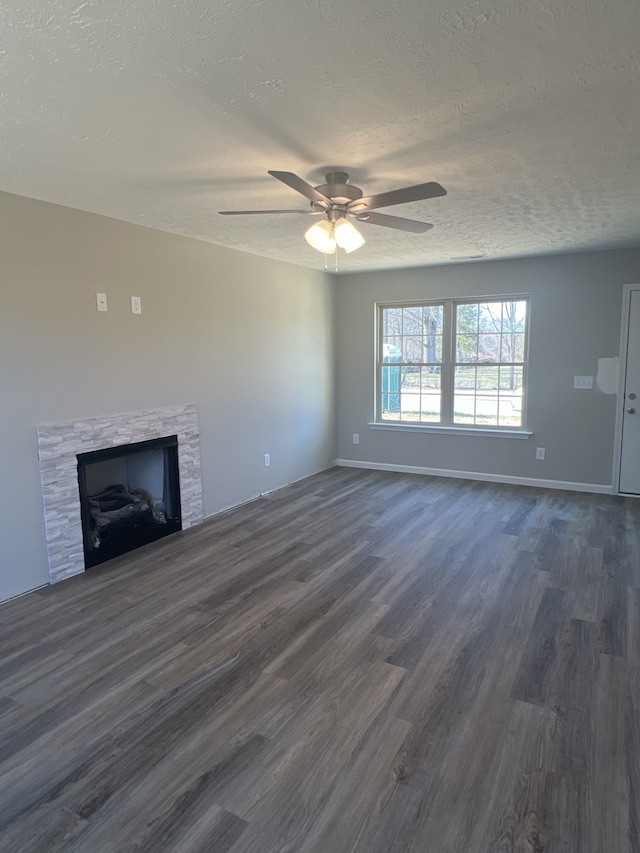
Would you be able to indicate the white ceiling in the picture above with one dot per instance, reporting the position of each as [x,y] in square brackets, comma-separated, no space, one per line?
[162,113]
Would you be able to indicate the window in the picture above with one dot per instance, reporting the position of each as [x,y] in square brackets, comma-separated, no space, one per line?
[453,363]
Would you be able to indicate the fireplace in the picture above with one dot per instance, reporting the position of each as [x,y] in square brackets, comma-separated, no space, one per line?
[129,496]
[60,445]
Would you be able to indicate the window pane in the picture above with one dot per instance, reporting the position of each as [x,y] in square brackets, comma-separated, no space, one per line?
[430,378]
[511,379]
[513,348]
[430,407]
[486,410]
[509,411]
[488,347]
[412,349]
[410,405]
[391,348]
[490,317]
[412,321]
[466,319]
[430,404]
[391,321]
[390,387]
[488,378]
[509,344]
[410,378]
[465,378]
[433,349]
[481,407]
[514,315]
[432,319]
[466,348]
[511,392]
[464,408]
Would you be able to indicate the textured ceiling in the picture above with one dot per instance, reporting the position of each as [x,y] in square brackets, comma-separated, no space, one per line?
[162,113]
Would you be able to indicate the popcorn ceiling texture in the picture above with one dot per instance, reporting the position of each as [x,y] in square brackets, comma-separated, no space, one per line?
[162,113]
[58,446]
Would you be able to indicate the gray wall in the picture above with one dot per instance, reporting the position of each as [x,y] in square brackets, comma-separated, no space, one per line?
[250,341]
[575,312]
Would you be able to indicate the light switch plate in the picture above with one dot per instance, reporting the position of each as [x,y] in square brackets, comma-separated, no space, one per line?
[101,302]
[583,382]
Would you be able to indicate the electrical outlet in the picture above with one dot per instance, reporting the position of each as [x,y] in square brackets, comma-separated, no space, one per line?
[101,302]
[267,460]
[356,438]
[136,305]
[540,453]
[583,382]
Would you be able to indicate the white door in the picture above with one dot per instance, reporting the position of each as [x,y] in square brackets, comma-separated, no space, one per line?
[630,457]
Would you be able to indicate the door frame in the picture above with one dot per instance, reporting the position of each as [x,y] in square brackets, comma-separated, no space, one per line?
[627,290]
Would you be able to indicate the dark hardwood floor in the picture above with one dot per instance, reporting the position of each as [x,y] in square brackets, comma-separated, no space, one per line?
[362,661]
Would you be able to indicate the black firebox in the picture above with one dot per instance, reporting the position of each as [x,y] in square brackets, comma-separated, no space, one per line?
[129,496]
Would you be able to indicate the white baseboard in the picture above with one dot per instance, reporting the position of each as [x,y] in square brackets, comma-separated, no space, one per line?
[596,488]
[259,495]
[12,595]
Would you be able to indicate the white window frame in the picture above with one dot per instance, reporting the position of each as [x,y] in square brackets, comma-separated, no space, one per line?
[446,424]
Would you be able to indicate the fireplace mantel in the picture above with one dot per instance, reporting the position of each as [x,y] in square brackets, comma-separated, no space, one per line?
[58,446]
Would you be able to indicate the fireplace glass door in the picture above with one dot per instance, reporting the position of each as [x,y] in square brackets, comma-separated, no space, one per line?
[129,496]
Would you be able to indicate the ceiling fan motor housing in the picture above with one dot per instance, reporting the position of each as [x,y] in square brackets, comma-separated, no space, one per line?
[338,189]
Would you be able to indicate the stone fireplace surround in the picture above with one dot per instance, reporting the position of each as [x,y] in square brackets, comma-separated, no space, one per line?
[58,446]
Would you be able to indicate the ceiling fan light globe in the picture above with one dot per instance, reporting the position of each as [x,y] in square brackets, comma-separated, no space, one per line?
[320,237]
[347,236]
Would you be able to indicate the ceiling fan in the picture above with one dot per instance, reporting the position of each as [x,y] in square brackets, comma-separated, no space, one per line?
[339,202]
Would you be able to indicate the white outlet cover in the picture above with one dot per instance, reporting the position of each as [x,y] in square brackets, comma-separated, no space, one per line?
[136,305]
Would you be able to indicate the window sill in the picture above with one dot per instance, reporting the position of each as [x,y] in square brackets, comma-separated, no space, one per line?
[451,430]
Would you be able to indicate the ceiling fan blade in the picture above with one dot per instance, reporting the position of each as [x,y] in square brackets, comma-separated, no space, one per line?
[417,193]
[393,222]
[250,212]
[303,187]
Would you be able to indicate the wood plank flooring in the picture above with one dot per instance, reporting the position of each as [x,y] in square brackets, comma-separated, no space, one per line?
[362,661]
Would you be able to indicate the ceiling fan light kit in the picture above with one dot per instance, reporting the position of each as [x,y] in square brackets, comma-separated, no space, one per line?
[321,237]
[339,200]
[334,231]
[347,236]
